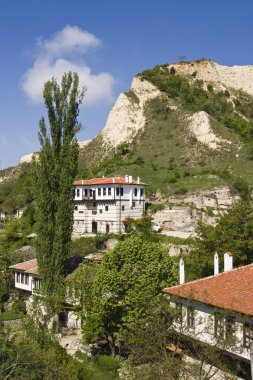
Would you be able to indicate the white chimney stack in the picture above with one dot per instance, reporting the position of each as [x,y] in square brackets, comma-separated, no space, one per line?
[130,179]
[181,272]
[126,178]
[216,264]
[138,179]
[228,261]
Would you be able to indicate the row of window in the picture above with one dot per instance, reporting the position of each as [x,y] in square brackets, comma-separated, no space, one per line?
[108,191]
[94,212]
[224,328]
[22,278]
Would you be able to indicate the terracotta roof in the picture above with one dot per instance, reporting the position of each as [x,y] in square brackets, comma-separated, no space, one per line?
[231,290]
[30,266]
[106,181]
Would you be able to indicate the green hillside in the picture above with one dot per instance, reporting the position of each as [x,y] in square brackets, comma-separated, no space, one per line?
[166,155]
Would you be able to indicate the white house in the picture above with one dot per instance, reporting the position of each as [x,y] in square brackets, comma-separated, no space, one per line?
[101,204]
[26,276]
[3,215]
[217,311]
[27,279]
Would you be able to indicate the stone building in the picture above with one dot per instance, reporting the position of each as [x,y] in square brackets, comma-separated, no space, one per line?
[102,204]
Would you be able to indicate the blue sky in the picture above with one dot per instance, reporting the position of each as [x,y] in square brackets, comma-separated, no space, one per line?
[107,42]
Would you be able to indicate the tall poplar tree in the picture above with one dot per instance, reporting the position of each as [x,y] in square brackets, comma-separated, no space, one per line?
[55,171]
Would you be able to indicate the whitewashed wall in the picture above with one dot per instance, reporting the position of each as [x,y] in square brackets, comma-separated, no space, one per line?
[204,327]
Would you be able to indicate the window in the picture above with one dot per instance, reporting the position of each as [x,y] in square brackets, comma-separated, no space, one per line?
[76,207]
[104,191]
[247,335]
[142,192]
[99,191]
[22,278]
[133,204]
[230,328]
[91,193]
[36,283]
[179,313]
[122,208]
[218,326]
[106,208]
[86,192]
[94,212]
[80,212]
[78,192]
[121,191]
[18,276]
[100,211]
[27,279]
[135,192]
[190,317]
[109,191]
[117,191]
[94,204]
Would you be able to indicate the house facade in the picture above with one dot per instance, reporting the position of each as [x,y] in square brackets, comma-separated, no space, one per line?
[102,204]
[27,279]
[217,311]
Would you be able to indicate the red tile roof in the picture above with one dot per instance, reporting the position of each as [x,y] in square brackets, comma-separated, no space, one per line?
[106,181]
[230,290]
[30,266]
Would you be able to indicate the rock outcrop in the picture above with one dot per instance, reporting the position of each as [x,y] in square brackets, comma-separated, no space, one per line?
[183,212]
[236,77]
[127,117]
[200,126]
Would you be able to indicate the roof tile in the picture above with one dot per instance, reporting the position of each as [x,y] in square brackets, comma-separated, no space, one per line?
[231,290]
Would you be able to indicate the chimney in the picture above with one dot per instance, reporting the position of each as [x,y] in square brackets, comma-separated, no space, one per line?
[181,272]
[216,264]
[126,178]
[138,179]
[228,261]
[130,179]
[113,180]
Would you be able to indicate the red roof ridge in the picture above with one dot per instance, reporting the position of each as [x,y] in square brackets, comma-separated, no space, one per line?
[206,278]
[231,290]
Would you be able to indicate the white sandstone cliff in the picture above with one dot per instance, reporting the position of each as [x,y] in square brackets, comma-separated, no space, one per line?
[127,117]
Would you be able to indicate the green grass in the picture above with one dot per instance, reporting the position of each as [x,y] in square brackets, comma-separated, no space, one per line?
[10,315]
[100,367]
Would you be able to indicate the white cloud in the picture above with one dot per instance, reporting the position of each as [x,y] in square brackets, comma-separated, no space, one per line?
[53,59]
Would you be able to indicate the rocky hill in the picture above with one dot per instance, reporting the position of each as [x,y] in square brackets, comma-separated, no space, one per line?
[184,128]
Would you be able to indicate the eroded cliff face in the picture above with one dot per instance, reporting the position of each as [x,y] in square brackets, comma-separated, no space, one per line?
[236,77]
[127,115]
[183,212]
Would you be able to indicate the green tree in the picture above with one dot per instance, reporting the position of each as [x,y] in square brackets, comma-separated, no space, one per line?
[233,233]
[54,172]
[136,270]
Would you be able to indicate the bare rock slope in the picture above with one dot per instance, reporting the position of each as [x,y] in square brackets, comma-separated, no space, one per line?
[236,77]
[127,117]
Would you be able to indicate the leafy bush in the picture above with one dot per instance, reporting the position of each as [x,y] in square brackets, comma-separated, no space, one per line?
[10,315]
[181,190]
[107,363]
[154,207]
